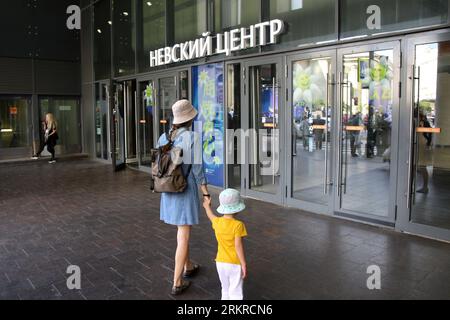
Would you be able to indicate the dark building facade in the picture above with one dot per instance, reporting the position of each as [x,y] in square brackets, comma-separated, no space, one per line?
[39,73]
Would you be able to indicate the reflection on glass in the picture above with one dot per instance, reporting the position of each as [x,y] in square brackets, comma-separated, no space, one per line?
[167,97]
[431,143]
[234,121]
[190,19]
[13,122]
[311,114]
[130,118]
[233,13]
[301,21]
[119,126]
[367,102]
[67,115]
[146,122]
[101,121]
[153,30]
[102,39]
[105,120]
[264,154]
[390,15]
[184,85]
[124,43]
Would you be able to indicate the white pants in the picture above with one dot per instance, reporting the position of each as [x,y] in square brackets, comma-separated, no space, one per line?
[231,280]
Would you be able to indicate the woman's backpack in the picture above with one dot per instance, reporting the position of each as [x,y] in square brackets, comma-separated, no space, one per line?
[167,172]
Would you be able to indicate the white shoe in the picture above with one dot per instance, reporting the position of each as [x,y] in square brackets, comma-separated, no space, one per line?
[35,157]
[52,161]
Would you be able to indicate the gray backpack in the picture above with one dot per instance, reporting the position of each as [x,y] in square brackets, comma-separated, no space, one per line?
[167,173]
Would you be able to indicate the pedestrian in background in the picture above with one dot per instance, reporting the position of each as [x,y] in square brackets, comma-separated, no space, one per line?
[50,137]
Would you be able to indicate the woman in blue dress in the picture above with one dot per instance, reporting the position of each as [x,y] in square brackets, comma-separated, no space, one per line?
[182,209]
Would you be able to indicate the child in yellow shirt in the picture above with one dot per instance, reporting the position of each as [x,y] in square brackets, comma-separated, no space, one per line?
[230,259]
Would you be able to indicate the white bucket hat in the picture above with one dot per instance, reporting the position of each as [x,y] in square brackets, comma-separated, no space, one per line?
[230,202]
[183,111]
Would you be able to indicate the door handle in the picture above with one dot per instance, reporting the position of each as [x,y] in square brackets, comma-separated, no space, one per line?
[414,118]
[339,136]
[326,183]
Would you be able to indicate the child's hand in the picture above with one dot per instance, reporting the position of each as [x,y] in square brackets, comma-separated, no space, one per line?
[244,271]
[206,202]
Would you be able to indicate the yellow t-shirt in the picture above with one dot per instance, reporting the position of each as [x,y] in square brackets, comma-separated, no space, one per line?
[226,230]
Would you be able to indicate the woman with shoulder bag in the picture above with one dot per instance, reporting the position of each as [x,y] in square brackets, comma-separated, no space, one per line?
[182,209]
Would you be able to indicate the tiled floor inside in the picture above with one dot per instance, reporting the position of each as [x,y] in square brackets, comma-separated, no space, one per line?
[81,213]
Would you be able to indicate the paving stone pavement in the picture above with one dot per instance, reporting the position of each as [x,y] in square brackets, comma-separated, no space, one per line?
[81,213]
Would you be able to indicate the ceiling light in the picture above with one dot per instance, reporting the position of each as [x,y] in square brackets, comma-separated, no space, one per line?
[110,22]
[125,13]
[99,30]
[149,3]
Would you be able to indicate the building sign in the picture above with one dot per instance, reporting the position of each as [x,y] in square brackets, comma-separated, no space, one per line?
[208,99]
[260,34]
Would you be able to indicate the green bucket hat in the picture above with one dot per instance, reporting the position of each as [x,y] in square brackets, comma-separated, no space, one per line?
[230,202]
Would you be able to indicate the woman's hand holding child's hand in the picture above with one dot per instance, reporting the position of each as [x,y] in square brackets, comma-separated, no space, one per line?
[206,202]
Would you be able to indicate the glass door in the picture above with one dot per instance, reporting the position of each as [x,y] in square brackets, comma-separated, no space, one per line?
[66,111]
[154,110]
[368,130]
[15,127]
[262,117]
[101,121]
[130,96]
[118,127]
[425,178]
[146,121]
[167,96]
[310,115]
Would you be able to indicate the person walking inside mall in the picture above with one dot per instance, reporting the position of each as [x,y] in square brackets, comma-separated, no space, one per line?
[182,209]
[50,137]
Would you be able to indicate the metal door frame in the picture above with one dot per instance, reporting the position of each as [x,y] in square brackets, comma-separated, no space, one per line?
[338,211]
[278,197]
[291,201]
[405,149]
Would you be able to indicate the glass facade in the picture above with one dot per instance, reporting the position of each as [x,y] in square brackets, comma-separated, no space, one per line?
[235,13]
[152,29]
[124,36]
[143,26]
[67,114]
[14,126]
[302,23]
[364,17]
[102,39]
[189,19]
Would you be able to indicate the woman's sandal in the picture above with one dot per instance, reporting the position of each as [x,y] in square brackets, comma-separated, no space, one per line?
[179,290]
[192,272]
